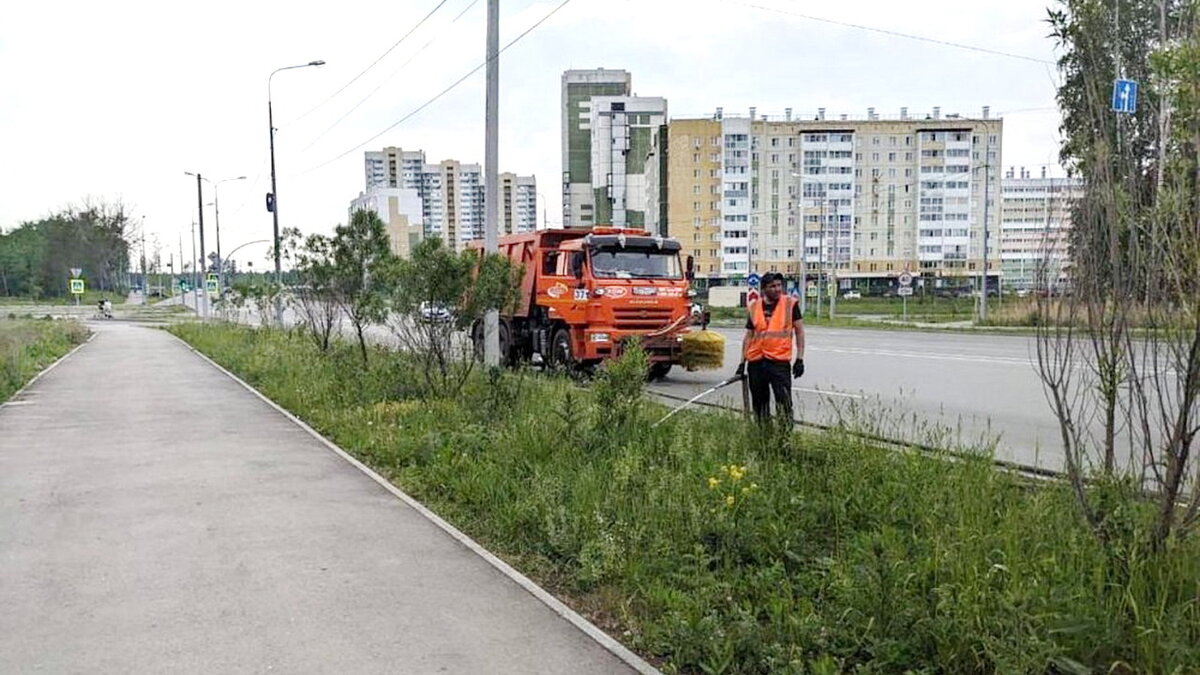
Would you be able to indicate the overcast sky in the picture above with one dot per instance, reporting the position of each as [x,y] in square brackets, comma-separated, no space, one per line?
[117,99]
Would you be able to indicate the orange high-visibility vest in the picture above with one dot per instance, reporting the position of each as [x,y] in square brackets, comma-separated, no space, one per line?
[773,339]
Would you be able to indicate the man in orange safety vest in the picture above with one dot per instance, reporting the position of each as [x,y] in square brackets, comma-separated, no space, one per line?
[773,323]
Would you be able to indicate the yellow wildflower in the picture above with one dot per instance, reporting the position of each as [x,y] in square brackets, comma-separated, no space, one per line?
[713,483]
[729,500]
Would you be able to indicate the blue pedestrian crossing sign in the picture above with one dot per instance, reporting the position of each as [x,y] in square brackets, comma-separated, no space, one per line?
[1124,96]
[753,279]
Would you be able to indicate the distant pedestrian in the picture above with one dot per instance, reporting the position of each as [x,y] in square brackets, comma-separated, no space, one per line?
[773,323]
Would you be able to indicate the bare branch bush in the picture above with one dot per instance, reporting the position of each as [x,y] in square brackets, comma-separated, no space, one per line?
[1119,357]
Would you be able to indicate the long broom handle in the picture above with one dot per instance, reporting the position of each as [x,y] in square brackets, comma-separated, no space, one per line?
[697,397]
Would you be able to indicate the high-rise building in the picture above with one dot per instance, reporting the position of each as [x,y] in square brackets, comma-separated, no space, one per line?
[393,167]
[400,211]
[623,129]
[1035,224]
[450,194]
[578,89]
[692,208]
[862,199]
[518,198]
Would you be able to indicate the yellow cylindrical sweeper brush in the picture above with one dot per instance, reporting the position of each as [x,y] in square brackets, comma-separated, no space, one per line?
[703,350]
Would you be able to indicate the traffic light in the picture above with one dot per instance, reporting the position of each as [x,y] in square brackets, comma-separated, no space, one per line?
[270,203]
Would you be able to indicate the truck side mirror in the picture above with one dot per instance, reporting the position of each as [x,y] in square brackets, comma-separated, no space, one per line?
[577,265]
[691,268]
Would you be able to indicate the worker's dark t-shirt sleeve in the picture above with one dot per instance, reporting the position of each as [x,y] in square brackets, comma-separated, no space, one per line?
[768,310]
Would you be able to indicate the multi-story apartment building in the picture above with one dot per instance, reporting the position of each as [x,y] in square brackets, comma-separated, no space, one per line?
[578,89]
[519,200]
[861,199]
[400,211]
[1035,224]
[450,194]
[623,130]
[692,209]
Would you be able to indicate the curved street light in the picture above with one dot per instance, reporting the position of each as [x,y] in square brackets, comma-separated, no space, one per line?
[273,196]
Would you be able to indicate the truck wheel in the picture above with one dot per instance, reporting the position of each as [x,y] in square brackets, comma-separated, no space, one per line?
[658,371]
[505,342]
[560,350]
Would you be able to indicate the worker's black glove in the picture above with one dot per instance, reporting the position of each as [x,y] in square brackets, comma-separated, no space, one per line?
[741,369]
[798,368]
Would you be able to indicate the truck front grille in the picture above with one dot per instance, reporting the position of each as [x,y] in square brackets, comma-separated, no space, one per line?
[641,318]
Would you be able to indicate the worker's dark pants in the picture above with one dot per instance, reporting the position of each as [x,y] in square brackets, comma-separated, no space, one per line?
[767,377]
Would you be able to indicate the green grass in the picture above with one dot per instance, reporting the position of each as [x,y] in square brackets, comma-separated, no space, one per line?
[26,347]
[708,545]
[89,298]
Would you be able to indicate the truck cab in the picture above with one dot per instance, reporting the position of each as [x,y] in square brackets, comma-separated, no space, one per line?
[586,292]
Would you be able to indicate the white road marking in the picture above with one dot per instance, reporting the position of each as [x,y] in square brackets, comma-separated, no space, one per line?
[936,357]
[827,393]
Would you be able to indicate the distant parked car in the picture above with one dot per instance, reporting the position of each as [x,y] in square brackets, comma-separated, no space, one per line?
[852,295]
[430,311]
[1022,292]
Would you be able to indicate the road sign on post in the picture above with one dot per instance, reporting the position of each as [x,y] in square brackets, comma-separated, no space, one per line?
[77,286]
[751,296]
[904,291]
[906,280]
[76,271]
[752,280]
[1124,96]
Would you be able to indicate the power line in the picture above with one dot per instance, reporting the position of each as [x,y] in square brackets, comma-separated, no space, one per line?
[386,80]
[893,33]
[377,60]
[442,93]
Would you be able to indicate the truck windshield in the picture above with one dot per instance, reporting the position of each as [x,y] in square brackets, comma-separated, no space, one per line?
[630,263]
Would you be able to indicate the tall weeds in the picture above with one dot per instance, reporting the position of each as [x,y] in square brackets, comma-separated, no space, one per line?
[709,545]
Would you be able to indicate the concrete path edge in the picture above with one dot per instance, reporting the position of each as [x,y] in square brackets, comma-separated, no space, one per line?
[591,630]
[52,366]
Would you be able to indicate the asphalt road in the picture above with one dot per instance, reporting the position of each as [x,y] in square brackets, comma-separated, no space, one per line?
[951,390]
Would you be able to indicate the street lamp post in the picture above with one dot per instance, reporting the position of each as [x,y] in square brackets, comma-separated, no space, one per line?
[273,197]
[804,244]
[200,207]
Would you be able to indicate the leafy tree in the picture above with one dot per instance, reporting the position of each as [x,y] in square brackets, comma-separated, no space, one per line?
[363,266]
[316,295]
[439,297]
[1120,357]
[36,257]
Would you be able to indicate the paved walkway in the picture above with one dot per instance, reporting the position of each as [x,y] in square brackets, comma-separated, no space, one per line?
[157,517]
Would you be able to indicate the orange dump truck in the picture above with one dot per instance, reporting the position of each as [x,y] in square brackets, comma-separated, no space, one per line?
[586,291]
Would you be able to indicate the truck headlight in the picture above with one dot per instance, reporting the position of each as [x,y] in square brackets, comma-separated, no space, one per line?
[599,337]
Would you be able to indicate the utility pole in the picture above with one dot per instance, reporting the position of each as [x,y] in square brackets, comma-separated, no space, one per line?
[195,286]
[182,297]
[145,277]
[274,206]
[491,199]
[986,185]
[217,224]
[837,263]
[821,255]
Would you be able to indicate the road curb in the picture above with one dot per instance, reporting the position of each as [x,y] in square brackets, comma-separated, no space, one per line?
[16,394]
[561,609]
